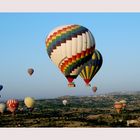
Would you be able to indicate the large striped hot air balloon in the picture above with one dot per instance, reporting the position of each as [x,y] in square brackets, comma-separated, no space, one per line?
[91,67]
[12,105]
[69,47]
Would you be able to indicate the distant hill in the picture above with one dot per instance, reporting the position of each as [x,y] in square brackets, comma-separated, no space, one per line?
[122,93]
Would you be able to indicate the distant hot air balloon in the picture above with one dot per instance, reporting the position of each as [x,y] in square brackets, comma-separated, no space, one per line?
[64,102]
[123,103]
[94,89]
[12,105]
[91,67]
[1,87]
[118,106]
[30,71]
[29,102]
[2,107]
[69,47]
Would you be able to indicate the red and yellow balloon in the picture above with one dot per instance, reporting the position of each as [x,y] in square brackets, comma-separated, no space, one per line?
[12,105]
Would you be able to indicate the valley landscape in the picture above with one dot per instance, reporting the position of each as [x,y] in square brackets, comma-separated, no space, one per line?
[85,111]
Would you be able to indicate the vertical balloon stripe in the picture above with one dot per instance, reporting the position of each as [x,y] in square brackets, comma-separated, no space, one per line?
[98,55]
[63,50]
[79,44]
[82,74]
[92,41]
[96,68]
[84,43]
[93,56]
[87,72]
[74,46]
[54,55]
[68,48]
[88,40]
[95,71]
[91,71]
[58,56]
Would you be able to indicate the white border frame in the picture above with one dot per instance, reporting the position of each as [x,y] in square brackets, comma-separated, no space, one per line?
[69,6]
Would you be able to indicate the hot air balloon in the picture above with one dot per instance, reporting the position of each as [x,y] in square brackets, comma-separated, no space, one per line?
[69,47]
[64,102]
[30,71]
[12,105]
[2,107]
[1,87]
[29,102]
[94,89]
[91,67]
[118,106]
[123,103]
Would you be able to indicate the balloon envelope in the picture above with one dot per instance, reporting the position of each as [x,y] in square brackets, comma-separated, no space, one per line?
[29,102]
[94,89]
[2,107]
[30,71]
[118,106]
[1,87]
[65,102]
[69,47]
[12,105]
[90,68]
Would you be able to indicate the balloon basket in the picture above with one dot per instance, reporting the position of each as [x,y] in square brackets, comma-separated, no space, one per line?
[71,85]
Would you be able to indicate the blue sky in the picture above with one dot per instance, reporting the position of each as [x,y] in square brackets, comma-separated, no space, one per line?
[22,45]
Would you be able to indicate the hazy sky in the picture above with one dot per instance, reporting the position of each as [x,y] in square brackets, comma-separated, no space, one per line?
[22,45]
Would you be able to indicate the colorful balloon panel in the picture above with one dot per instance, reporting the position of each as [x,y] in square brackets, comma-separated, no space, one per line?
[69,47]
[90,68]
[12,105]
